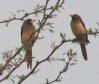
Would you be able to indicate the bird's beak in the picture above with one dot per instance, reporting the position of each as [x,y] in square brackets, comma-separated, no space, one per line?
[33,20]
[71,15]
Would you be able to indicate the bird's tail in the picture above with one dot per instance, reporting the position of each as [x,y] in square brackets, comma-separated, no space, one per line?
[29,58]
[83,49]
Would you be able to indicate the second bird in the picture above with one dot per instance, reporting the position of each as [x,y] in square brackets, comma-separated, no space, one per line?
[79,30]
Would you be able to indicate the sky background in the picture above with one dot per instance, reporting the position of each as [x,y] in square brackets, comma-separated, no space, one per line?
[83,72]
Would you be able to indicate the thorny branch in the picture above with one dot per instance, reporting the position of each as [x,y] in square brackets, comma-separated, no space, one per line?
[7,62]
[71,56]
[38,10]
[24,16]
[7,76]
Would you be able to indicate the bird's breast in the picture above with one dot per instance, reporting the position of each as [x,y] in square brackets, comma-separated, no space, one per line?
[78,29]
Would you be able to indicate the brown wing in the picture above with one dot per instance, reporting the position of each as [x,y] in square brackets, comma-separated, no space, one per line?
[82,23]
[86,35]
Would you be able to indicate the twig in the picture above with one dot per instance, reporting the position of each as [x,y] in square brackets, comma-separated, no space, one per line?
[7,76]
[24,16]
[7,62]
[71,55]
[57,79]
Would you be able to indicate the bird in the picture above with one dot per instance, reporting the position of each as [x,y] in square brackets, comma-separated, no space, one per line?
[28,34]
[80,32]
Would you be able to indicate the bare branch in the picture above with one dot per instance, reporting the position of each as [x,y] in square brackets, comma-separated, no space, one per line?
[7,62]
[67,64]
[7,76]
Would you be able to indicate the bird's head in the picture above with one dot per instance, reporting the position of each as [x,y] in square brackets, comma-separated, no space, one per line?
[33,22]
[75,16]
[30,21]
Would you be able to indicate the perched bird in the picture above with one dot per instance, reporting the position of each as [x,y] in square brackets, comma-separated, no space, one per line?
[28,32]
[79,30]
